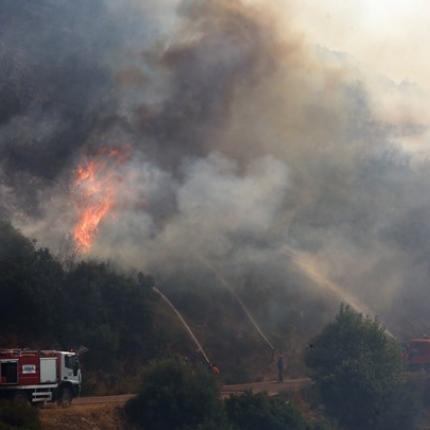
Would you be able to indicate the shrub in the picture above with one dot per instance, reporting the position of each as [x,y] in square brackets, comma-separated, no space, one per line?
[176,396]
[357,369]
[259,411]
[18,416]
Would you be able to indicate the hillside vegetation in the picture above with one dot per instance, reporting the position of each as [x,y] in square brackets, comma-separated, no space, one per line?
[125,325]
[44,305]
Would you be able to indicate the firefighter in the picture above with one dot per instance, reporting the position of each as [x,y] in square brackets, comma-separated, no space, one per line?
[214,369]
[281,366]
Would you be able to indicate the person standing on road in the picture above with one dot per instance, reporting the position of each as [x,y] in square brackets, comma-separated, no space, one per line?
[281,367]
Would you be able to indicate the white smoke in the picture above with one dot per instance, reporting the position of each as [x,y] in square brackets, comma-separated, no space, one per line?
[216,204]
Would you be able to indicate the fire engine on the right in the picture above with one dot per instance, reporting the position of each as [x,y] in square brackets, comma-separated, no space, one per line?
[417,354]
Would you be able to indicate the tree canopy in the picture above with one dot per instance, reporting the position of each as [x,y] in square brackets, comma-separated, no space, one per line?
[178,396]
[43,305]
[357,369]
[259,411]
[175,395]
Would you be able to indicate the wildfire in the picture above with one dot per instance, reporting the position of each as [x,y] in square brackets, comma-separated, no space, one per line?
[95,188]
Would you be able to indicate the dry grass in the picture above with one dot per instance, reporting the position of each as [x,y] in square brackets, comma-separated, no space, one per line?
[82,417]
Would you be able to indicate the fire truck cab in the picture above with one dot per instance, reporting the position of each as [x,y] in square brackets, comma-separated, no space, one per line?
[418,354]
[39,376]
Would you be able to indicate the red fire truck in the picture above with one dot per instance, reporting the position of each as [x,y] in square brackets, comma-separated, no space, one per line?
[417,354]
[39,376]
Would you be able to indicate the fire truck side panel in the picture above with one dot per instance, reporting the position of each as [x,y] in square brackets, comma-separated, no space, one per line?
[29,369]
[419,352]
[48,370]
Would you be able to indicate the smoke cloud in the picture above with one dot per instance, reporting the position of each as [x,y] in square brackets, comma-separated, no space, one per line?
[246,139]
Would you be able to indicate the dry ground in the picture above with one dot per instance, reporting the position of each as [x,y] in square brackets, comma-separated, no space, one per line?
[104,413]
[82,417]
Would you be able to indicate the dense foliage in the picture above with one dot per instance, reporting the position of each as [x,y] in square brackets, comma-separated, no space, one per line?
[259,411]
[47,304]
[42,304]
[357,369]
[22,416]
[178,396]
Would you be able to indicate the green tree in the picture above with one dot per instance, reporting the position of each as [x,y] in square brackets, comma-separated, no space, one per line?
[88,303]
[259,411]
[176,396]
[357,369]
[30,281]
[108,312]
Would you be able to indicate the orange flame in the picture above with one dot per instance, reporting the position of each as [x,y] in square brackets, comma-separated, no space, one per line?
[95,191]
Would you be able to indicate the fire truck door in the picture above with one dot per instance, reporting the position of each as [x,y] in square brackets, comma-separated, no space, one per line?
[48,370]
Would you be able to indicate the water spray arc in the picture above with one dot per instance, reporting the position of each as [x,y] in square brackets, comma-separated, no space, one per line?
[241,304]
[252,319]
[183,322]
[307,265]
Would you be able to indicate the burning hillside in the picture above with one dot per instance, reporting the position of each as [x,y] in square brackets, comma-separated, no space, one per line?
[95,189]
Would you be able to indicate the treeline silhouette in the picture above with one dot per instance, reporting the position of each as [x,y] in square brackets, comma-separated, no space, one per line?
[43,304]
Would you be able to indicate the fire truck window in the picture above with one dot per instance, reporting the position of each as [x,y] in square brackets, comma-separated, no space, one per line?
[72,362]
[9,372]
[76,367]
[67,362]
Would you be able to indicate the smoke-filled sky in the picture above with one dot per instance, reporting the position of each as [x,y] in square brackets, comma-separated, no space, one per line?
[385,40]
[251,128]
[387,36]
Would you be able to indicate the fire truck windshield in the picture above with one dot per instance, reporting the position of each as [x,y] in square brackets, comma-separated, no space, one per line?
[72,362]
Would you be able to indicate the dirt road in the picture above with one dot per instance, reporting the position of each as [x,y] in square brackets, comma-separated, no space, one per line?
[272,387]
[104,413]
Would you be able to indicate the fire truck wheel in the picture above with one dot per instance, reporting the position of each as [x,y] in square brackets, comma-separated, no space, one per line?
[21,397]
[65,398]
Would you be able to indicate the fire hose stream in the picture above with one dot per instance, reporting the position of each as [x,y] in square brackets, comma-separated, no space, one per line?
[184,323]
[307,264]
[241,304]
[302,261]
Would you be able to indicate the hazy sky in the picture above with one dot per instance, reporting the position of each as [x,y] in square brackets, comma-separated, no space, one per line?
[390,36]
[386,41]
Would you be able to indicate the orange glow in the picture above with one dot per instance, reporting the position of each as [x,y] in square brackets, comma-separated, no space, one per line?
[86,172]
[88,223]
[95,191]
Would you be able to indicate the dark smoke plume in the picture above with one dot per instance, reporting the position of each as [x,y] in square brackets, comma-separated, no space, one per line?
[247,143]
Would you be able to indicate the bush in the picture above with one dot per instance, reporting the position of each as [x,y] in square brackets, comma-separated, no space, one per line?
[176,396]
[357,369]
[259,411]
[18,416]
